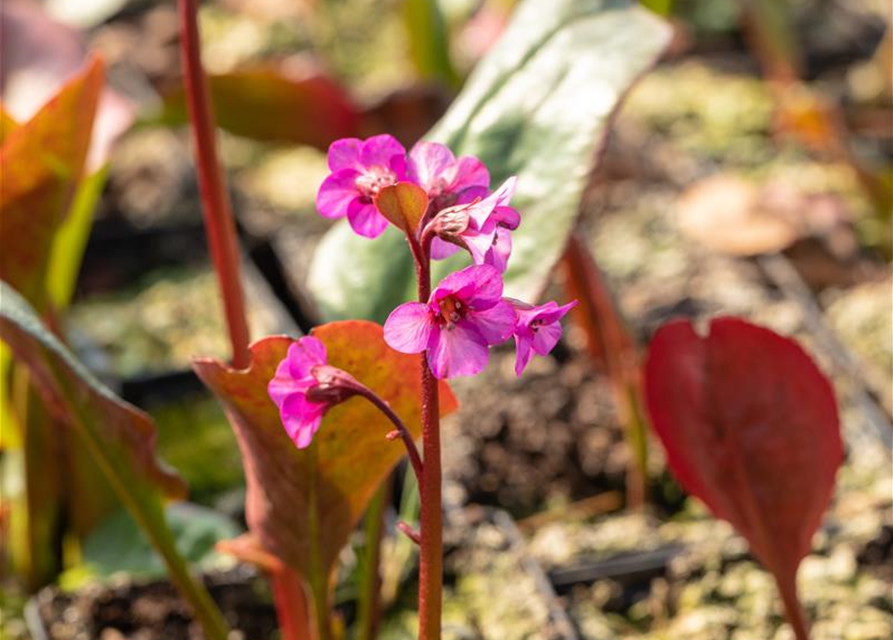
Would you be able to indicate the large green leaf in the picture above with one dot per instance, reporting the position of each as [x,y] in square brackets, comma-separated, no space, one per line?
[119,437]
[303,503]
[118,545]
[538,106]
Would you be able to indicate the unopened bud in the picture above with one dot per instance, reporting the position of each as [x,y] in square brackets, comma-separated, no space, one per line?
[334,385]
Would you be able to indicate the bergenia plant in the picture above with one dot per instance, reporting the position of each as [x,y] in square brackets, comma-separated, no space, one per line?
[442,204]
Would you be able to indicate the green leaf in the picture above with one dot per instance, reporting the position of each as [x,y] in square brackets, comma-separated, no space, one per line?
[118,545]
[429,43]
[71,240]
[538,106]
[303,503]
[119,437]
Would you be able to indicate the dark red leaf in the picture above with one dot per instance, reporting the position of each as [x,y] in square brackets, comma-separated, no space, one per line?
[750,427]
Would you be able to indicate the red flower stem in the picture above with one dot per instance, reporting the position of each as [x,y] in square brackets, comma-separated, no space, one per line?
[385,408]
[219,225]
[431,518]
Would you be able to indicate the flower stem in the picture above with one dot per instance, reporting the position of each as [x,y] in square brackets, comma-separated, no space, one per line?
[408,442]
[431,518]
[219,225]
[291,604]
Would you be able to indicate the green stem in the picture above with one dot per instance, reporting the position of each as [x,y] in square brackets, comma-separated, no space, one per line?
[370,578]
[219,223]
[318,580]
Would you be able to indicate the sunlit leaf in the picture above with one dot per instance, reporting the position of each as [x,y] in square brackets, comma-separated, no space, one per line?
[274,103]
[40,55]
[119,437]
[538,106]
[750,427]
[404,205]
[349,458]
[42,162]
[7,123]
[71,240]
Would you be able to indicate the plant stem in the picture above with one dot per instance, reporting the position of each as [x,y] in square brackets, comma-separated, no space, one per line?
[431,518]
[291,604]
[219,225]
[792,607]
[610,342]
[369,601]
[405,435]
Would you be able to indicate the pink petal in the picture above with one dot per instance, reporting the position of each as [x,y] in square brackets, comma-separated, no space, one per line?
[336,194]
[365,219]
[507,217]
[377,151]
[303,355]
[546,337]
[284,385]
[344,154]
[441,249]
[479,244]
[500,250]
[553,313]
[523,351]
[428,161]
[469,173]
[302,431]
[408,329]
[495,324]
[469,195]
[459,351]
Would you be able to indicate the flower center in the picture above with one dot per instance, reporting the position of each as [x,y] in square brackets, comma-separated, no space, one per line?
[451,311]
[372,181]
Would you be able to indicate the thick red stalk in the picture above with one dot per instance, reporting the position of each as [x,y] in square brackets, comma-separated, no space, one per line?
[219,224]
[291,604]
[431,517]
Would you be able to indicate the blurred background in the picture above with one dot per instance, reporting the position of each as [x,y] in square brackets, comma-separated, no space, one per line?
[748,173]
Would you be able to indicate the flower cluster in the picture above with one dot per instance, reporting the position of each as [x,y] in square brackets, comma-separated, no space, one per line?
[465,315]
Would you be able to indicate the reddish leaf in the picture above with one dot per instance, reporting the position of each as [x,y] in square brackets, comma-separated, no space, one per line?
[7,124]
[350,456]
[750,427]
[39,56]
[276,103]
[403,204]
[42,162]
[119,437]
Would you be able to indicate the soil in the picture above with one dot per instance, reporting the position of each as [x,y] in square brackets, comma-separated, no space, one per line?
[154,611]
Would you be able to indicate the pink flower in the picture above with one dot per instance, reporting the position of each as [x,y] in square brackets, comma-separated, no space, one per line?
[305,387]
[487,236]
[447,181]
[360,169]
[463,318]
[537,330]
